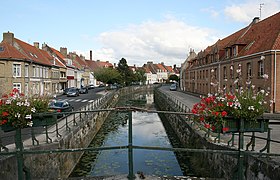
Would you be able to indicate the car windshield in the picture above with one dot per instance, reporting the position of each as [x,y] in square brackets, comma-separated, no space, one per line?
[72,90]
[57,104]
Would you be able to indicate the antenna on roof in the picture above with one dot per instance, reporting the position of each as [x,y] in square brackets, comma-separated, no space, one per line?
[261,5]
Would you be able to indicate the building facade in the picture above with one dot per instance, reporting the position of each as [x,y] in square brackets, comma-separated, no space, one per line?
[255,50]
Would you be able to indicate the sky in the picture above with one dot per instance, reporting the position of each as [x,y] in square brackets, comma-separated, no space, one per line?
[137,30]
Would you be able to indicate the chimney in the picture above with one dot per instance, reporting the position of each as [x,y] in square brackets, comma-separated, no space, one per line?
[90,55]
[9,38]
[44,47]
[256,20]
[82,57]
[36,45]
[63,51]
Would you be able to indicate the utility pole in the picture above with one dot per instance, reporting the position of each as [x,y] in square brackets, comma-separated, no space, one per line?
[261,5]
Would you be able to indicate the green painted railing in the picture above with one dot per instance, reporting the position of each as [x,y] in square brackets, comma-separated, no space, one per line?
[73,118]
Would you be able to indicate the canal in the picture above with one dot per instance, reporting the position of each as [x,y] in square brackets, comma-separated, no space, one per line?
[148,130]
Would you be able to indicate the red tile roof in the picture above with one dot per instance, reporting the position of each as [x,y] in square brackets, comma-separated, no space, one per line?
[51,59]
[98,64]
[8,51]
[32,52]
[256,37]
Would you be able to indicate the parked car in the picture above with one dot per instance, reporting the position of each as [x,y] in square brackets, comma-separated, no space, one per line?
[65,91]
[83,90]
[91,86]
[173,87]
[61,106]
[73,92]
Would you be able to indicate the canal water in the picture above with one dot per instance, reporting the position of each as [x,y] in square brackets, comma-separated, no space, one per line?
[148,130]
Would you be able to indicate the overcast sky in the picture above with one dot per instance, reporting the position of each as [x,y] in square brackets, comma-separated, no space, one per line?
[137,30]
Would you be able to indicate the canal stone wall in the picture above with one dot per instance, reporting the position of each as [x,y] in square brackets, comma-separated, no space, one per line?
[60,165]
[217,165]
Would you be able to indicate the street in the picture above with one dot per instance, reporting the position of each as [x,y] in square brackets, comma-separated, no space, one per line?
[82,99]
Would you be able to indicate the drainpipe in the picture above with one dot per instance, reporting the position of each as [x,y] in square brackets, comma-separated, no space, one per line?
[275,74]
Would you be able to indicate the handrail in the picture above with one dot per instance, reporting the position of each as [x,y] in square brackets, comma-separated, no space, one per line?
[89,110]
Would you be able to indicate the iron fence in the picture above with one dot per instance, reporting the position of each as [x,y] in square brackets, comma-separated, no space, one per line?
[72,119]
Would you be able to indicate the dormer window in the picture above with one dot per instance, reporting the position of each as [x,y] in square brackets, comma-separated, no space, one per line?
[234,51]
[69,62]
[227,53]
[1,48]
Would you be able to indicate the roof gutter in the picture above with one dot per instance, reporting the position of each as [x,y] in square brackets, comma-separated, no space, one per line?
[275,75]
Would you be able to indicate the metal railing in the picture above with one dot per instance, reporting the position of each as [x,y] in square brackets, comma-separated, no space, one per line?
[20,151]
[180,106]
[73,118]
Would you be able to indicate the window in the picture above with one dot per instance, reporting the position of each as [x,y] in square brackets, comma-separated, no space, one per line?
[249,70]
[260,68]
[234,51]
[34,71]
[16,70]
[37,71]
[26,88]
[26,70]
[225,72]
[46,73]
[17,86]
[232,72]
[41,72]
[227,53]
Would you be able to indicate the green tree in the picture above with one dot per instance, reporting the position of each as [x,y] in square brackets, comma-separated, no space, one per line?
[173,77]
[139,76]
[125,72]
[107,75]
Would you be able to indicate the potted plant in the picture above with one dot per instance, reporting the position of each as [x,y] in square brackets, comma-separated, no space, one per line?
[224,111]
[17,111]
[44,115]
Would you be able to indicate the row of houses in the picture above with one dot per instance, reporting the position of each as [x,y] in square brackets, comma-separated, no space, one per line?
[254,51]
[40,71]
[159,73]
[34,70]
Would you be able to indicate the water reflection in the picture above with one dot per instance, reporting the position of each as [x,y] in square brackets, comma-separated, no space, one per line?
[148,130]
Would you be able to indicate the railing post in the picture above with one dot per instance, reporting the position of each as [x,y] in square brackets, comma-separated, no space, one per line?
[241,151]
[19,148]
[130,150]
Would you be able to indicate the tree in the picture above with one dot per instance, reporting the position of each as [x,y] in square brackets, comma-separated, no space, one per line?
[107,75]
[139,76]
[173,77]
[125,72]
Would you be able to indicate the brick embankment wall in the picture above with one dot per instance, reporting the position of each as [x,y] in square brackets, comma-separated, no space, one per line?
[214,165]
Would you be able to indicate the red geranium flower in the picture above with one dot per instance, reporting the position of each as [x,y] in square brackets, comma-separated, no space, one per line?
[5,113]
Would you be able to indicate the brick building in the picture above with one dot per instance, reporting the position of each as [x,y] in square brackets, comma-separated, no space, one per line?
[255,49]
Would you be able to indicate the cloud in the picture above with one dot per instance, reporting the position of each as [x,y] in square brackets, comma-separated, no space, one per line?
[245,12]
[213,13]
[160,41]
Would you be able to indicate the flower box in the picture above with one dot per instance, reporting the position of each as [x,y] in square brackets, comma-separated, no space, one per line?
[233,125]
[44,119]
